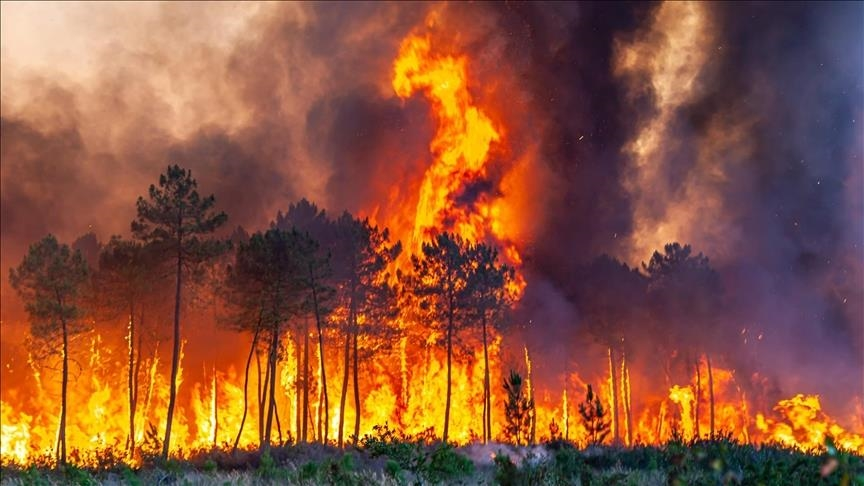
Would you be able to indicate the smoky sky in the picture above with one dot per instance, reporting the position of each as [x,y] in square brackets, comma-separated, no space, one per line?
[298,104]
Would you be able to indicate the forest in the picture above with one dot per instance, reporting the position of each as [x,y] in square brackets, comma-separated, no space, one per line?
[339,286]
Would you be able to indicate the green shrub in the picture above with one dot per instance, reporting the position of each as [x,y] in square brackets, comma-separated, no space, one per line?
[309,471]
[506,473]
[33,476]
[76,475]
[128,475]
[445,464]
[266,466]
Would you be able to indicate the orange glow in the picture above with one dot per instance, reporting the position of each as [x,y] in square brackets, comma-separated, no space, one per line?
[403,385]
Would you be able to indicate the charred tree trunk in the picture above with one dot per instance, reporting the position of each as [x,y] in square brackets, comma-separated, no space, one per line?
[616,430]
[532,439]
[262,393]
[305,379]
[449,368]
[246,385]
[130,443]
[326,425]
[356,387]
[710,397]
[698,396]
[175,354]
[625,390]
[215,408]
[271,386]
[487,405]
[61,434]
[278,423]
[136,373]
[319,435]
[346,372]
[298,387]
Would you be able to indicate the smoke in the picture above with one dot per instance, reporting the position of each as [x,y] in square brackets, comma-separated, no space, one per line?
[733,128]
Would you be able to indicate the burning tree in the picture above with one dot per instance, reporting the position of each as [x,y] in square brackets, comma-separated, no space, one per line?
[440,281]
[488,298]
[518,410]
[611,296]
[264,287]
[594,417]
[361,258]
[314,271]
[315,252]
[685,291]
[125,281]
[174,220]
[50,281]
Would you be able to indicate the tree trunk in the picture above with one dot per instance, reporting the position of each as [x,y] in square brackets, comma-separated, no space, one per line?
[278,424]
[298,387]
[61,434]
[326,426]
[487,403]
[698,395]
[625,390]
[710,397]
[175,356]
[216,408]
[305,379]
[130,443]
[449,370]
[135,377]
[616,431]
[262,391]
[246,385]
[533,410]
[349,326]
[356,386]
[271,386]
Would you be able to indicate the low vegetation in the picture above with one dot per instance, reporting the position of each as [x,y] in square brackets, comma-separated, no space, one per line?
[389,458]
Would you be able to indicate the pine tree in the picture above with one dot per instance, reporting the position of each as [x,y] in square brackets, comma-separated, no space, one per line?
[439,281]
[518,410]
[50,281]
[176,221]
[125,280]
[594,418]
[488,298]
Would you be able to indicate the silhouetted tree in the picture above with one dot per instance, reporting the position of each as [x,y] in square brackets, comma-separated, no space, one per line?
[518,410]
[313,276]
[361,258]
[176,220]
[305,217]
[686,296]
[125,280]
[594,417]
[440,281]
[265,290]
[50,281]
[488,298]
[610,296]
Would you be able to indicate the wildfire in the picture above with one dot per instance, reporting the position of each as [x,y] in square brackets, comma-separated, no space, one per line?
[461,149]
[405,388]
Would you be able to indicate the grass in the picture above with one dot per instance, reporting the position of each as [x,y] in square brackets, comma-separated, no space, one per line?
[388,458]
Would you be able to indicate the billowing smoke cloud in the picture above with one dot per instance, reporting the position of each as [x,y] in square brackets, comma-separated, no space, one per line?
[733,128]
